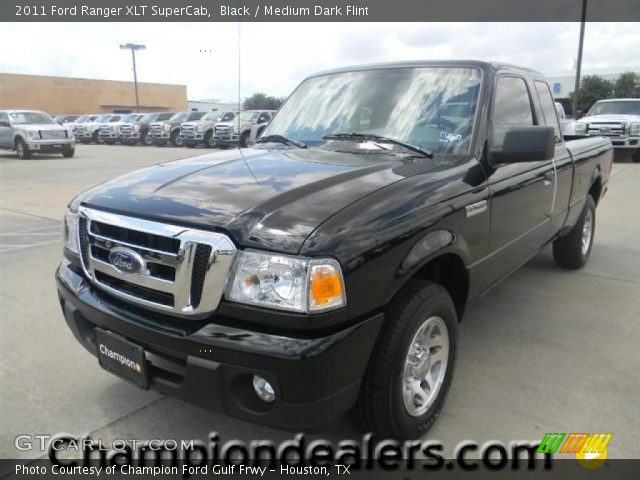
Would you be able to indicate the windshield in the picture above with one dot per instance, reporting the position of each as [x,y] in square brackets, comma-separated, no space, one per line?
[102,118]
[429,107]
[179,117]
[149,117]
[27,118]
[248,116]
[82,118]
[616,108]
[130,118]
[213,116]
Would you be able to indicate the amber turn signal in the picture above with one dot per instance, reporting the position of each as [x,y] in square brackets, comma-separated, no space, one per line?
[326,288]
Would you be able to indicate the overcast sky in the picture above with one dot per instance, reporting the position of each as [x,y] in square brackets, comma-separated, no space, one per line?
[275,57]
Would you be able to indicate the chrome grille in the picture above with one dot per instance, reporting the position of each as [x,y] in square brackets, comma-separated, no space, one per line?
[155,128]
[53,134]
[606,129]
[187,129]
[184,270]
[126,129]
[106,129]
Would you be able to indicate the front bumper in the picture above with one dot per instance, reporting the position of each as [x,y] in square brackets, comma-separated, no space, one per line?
[129,136]
[159,137]
[226,137]
[108,136]
[51,145]
[212,365]
[192,138]
[623,142]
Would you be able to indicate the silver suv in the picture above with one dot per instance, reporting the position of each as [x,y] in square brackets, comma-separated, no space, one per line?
[32,131]
[239,131]
[201,131]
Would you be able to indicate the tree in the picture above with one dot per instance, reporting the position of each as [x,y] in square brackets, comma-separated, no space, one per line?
[627,85]
[592,89]
[262,101]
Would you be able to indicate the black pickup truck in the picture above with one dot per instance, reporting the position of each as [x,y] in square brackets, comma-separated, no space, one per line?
[326,268]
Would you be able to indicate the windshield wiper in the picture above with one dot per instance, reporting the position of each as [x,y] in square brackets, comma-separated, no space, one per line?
[370,136]
[281,139]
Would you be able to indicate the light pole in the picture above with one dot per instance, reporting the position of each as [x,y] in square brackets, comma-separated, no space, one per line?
[133,47]
[576,90]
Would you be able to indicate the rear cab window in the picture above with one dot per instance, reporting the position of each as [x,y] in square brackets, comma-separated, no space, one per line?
[549,112]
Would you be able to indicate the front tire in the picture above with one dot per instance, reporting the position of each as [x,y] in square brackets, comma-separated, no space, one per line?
[22,150]
[244,140]
[144,139]
[175,139]
[68,152]
[411,367]
[574,249]
[636,157]
[208,139]
[96,138]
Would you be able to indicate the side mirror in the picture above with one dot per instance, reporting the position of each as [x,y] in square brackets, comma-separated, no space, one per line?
[4,124]
[525,144]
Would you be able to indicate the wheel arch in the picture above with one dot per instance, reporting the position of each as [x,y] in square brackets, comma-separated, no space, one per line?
[595,189]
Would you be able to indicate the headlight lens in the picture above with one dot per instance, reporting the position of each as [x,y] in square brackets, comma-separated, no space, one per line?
[136,127]
[70,232]
[33,134]
[201,128]
[581,128]
[166,127]
[287,283]
[634,129]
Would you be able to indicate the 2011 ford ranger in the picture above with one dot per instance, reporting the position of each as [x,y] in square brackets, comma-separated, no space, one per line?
[326,268]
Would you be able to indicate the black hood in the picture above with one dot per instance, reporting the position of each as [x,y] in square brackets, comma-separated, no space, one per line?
[269,199]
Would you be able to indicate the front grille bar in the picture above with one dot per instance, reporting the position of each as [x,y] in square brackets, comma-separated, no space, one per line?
[184,270]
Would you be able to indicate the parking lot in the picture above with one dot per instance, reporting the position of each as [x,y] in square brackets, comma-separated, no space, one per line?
[548,350]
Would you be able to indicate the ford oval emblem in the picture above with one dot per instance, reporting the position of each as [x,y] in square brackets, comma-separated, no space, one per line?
[127,261]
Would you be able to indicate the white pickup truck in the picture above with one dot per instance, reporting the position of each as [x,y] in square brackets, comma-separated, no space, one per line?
[617,119]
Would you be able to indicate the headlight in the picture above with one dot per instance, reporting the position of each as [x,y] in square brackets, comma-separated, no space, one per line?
[166,127]
[634,129]
[287,283]
[581,128]
[136,127]
[201,128]
[70,232]
[33,134]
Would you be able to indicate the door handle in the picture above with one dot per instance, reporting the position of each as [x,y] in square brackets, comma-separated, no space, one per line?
[548,178]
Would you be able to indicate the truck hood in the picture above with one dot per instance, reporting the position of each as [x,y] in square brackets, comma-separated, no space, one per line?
[610,118]
[270,199]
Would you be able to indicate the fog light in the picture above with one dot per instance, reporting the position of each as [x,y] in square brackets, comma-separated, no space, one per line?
[263,389]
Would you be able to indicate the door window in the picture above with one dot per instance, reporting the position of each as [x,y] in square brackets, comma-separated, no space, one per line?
[548,108]
[512,107]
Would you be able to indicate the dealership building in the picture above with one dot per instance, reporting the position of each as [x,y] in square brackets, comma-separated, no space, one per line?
[74,96]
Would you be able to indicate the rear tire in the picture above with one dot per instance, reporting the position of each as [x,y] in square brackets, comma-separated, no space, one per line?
[408,375]
[574,249]
[22,150]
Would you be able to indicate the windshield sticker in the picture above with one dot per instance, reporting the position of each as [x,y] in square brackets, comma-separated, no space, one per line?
[446,137]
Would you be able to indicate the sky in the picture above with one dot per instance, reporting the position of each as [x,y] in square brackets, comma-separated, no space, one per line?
[275,57]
